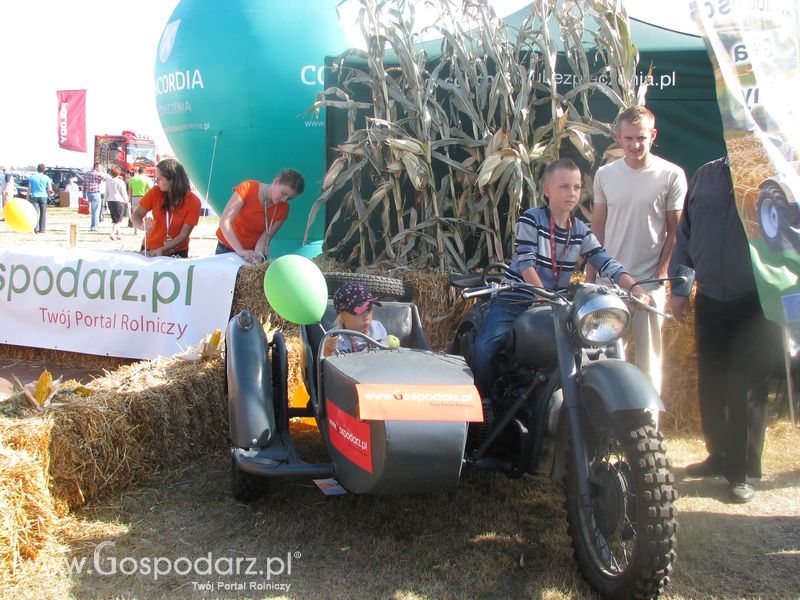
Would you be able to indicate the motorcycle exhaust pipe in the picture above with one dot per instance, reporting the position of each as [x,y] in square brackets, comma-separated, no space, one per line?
[553,412]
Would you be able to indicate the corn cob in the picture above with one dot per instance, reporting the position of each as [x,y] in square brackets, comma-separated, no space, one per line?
[42,392]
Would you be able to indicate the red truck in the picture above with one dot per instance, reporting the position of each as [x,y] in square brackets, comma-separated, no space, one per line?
[127,150]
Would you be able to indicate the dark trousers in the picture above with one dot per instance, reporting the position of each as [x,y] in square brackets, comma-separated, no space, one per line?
[222,248]
[41,212]
[496,325]
[737,350]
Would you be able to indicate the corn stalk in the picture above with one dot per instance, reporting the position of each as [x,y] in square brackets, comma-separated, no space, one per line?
[443,154]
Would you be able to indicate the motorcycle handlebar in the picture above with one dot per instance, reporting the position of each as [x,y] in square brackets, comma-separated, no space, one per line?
[679,280]
[490,289]
[646,306]
[551,295]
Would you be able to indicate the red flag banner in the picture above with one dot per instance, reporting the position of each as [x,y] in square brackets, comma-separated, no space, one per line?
[72,120]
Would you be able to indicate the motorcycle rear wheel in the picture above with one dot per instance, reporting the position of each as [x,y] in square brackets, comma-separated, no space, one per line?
[624,541]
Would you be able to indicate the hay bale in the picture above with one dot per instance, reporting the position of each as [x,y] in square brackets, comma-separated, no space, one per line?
[31,435]
[440,307]
[27,515]
[96,440]
[679,376]
[248,294]
[136,420]
[294,354]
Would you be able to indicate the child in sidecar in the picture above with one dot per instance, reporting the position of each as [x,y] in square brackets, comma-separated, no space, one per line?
[353,304]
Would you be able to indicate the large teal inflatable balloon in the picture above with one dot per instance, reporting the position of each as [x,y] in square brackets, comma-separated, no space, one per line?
[234,79]
[296,289]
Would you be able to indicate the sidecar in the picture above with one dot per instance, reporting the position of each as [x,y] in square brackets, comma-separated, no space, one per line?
[392,420]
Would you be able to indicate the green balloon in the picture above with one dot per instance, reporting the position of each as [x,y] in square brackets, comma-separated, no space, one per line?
[296,289]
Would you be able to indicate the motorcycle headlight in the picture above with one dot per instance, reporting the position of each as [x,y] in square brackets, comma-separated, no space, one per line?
[600,319]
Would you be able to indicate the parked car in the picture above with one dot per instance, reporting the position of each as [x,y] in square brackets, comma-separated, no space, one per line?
[21,181]
[60,177]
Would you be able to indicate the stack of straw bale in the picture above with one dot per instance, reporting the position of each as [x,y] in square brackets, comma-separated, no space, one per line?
[28,515]
[96,440]
[134,421]
[679,378]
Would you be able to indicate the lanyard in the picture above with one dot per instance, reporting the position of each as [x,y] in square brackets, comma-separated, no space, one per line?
[556,265]
[267,221]
[169,222]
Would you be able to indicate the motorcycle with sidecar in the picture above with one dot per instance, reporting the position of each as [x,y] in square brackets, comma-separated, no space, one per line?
[409,419]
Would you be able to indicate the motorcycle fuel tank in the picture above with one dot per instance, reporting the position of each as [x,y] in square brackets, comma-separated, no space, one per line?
[396,421]
[533,340]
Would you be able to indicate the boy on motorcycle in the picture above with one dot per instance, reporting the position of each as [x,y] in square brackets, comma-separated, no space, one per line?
[549,240]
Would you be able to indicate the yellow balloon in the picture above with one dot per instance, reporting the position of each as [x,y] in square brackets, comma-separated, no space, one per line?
[20,215]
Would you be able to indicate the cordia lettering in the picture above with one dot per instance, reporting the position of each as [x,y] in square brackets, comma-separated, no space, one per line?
[177,81]
[308,77]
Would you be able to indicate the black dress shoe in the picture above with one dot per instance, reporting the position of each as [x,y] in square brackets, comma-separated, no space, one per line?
[741,492]
[708,468]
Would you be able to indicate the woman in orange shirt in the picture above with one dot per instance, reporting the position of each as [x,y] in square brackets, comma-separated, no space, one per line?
[175,210]
[254,213]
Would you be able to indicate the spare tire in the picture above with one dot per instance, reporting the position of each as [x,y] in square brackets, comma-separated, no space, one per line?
[382,287]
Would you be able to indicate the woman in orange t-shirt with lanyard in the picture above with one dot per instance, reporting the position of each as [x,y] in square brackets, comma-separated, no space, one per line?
[175,209]
[254,213]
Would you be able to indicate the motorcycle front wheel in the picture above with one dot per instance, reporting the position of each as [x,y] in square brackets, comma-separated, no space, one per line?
[623,537]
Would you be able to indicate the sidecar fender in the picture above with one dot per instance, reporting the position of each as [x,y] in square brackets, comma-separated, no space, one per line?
[611,386]
[247,364]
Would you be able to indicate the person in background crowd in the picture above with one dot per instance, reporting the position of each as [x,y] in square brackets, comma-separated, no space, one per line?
[91,185]
[138,186]
[637,205]
[117,198]
[737,347]
[40,189]
[254,213]
[73,191]
[8,190]
[175,209]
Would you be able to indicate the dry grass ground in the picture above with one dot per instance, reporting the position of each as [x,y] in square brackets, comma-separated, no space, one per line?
[492,538]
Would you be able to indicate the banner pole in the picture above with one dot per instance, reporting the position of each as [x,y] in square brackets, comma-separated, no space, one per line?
[211,171]
[787,360]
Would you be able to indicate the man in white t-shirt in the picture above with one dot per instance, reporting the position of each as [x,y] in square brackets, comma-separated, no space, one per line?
[637,205]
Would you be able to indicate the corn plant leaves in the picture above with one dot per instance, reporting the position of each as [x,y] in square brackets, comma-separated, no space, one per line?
[443,154]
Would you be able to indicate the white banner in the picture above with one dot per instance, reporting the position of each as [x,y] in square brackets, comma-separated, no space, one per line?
[112,303]
[755,52]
